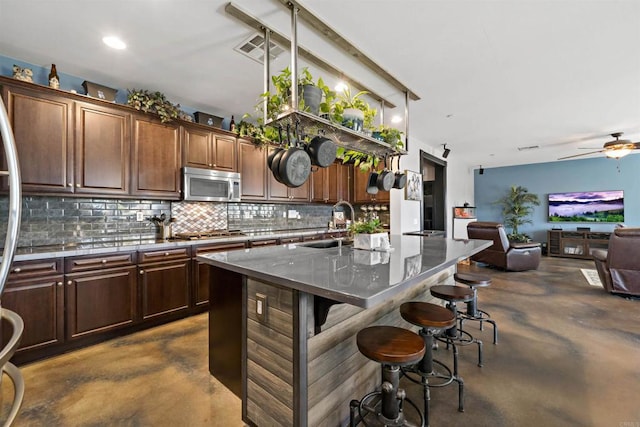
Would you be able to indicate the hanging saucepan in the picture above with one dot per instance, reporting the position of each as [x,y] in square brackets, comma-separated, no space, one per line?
[372,182]
[401,178]
[385,178]
[294,167]
[322,151]
[275,164]
[273,152]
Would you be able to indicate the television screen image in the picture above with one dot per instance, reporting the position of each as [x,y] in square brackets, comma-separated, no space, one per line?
[587,206]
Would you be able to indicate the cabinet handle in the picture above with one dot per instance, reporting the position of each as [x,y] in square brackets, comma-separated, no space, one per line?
[17,270]
[78,185]
[104,261]
[210,164]
[141,271]
[166,254]
[69,282]
[59,283]
[70,184]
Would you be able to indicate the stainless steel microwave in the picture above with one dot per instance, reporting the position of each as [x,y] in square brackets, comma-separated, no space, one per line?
[208,185]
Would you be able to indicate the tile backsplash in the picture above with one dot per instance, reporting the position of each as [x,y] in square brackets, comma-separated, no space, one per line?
[49,220]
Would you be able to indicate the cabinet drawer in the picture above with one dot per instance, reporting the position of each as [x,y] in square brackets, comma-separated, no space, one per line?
[27,269]
[165,254]
[96,262]
[199,250]
[312,237]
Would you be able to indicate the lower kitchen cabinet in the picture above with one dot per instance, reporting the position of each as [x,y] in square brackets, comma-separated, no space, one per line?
[201,277]
[163,278]
[35,291]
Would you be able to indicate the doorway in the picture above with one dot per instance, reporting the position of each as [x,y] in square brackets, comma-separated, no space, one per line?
[434,176]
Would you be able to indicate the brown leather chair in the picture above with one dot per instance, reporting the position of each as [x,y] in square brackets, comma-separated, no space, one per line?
[619,266]
[507,255]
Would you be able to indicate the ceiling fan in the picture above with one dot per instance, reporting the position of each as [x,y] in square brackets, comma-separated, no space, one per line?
[614,149]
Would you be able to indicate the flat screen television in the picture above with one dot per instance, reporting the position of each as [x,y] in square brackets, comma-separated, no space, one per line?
[587,206]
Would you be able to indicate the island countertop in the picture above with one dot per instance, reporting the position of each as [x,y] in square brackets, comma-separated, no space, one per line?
[347,275]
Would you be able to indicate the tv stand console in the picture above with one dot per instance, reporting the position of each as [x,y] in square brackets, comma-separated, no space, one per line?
[576,244]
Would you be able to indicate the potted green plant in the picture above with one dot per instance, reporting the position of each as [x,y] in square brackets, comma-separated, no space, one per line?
[368,234]
[517,205]
[153,102]
[389,135]
[352,111]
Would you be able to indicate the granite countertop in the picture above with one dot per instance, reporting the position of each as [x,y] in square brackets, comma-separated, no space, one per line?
[348,275]
[127,245]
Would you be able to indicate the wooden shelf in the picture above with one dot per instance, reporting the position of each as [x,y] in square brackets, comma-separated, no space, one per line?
[575,244]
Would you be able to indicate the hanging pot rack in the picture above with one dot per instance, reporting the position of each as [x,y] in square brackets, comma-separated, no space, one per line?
[309,123]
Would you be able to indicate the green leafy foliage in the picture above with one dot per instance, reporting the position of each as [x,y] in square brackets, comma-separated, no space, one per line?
[370,226]
[345,100]
[153,102]
[517,205]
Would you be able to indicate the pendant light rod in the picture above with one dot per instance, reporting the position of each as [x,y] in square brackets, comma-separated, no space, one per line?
[329,33]
[303,53]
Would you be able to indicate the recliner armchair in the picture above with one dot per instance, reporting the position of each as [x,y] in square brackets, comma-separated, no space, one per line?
[507,255]
[619,266]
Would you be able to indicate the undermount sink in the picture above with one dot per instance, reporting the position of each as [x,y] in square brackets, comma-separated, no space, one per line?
[324,244]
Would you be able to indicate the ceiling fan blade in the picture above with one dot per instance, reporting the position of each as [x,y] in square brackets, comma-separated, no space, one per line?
[579,155]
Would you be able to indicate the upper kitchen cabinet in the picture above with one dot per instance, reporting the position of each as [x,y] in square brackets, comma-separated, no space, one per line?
[102,154]
[208,149]
[252,165]
[42,123]
[331,184]
[156,159]
[279,191]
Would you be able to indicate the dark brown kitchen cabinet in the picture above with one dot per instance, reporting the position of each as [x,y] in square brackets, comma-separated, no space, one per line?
[102,150]
[252,164]
[360,195]
[279,191]
[163,279]
[101,293]
[201,277]
[35,291]
[156,159]
[42,124]
[331,184]
[207,149]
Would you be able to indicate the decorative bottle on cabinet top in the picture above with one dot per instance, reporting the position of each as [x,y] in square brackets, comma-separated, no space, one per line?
[54,80]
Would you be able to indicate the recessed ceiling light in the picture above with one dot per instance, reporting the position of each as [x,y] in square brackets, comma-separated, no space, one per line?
[341,87]
[114,42]
[396,119]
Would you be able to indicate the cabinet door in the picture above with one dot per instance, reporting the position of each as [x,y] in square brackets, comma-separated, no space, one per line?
[156,160]
[320,185]
[343,182]
[224,153]
[252,165]
[43,130]
[40,303]
[300,194]
[198,148]
[100,301]
[102,150]
[360,181]
[164,288]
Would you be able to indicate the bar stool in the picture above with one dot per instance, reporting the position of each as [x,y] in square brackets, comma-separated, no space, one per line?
[475,281]
[392,347]
[433,320]
[454,295]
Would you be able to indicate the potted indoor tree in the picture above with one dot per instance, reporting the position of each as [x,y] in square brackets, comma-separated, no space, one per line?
[517,205]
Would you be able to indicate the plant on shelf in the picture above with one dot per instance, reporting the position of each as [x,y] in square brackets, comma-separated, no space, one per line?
[153,102]
[517,205]
[260,134]
[352,111]
[389,135]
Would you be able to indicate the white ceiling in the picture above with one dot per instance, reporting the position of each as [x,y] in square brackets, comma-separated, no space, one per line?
[493,75]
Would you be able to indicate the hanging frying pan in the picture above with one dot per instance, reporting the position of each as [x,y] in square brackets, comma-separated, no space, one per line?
[401,177]
[372,183]
[385,178]
[322,151]
[294,167]
[274,151]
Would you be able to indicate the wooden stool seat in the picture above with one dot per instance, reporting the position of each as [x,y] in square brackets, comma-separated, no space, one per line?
[471,279]
[390,345]
[452,293]
[427,315]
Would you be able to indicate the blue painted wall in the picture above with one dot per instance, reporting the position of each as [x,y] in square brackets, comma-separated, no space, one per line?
[594,174]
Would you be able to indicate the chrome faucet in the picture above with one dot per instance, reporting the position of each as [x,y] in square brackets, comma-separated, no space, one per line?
[344,202]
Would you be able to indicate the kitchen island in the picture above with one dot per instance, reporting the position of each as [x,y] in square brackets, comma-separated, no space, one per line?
[283,320]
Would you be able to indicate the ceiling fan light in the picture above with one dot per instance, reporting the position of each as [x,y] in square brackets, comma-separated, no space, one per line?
[617,153]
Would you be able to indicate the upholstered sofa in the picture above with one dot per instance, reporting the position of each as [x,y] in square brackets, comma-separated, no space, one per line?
[619,266]
[507,255]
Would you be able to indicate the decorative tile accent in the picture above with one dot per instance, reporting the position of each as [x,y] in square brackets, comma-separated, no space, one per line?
[198,216]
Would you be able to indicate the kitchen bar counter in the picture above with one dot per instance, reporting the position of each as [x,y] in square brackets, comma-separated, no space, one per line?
[283,320]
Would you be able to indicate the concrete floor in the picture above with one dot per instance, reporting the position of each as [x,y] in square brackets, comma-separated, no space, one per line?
[568,355]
